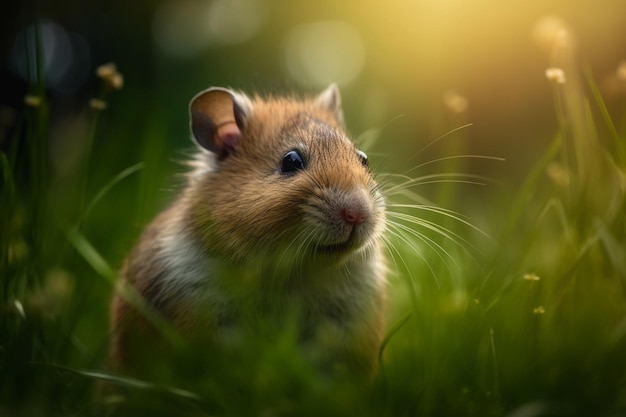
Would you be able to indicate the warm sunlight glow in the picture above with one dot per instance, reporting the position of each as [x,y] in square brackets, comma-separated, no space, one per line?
[324,52]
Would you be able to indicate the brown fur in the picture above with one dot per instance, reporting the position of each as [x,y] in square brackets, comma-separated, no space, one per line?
[258,233]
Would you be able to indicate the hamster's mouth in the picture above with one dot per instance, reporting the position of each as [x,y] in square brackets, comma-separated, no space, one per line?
[336,248]
[341,247]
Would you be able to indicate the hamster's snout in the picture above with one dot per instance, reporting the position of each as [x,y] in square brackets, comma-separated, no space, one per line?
[350,218]
[354,216]
[346,220]
[356,208]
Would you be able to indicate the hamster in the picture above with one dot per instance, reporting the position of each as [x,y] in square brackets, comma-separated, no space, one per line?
[280,209]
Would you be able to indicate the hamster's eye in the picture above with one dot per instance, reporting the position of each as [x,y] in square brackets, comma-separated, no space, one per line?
[363,157]
[292,162]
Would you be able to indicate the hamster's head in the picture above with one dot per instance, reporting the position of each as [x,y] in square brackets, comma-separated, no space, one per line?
[281,183]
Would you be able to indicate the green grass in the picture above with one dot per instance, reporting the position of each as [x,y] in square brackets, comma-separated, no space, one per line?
[529,322]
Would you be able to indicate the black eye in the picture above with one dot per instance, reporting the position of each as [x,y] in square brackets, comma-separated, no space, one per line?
[363,157]
[292,162]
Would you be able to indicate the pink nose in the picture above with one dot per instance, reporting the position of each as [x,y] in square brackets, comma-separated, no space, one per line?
[353,216]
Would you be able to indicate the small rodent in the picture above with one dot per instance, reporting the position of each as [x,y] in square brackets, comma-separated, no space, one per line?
[280,209]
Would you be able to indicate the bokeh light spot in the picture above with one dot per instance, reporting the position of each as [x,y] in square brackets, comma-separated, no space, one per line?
[66,57]
[552,33]
[185,28]
[320,53]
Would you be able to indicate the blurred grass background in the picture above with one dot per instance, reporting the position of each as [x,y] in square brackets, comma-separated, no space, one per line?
[529,322]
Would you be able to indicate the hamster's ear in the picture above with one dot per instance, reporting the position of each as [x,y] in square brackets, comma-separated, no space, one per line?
[330,100]
[218,117]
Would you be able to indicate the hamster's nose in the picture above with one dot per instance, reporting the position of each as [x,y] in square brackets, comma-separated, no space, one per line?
[354,207]
[354,215]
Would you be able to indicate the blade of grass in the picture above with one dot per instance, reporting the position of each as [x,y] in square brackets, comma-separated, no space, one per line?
[102,268]
[107,187]
[527,190]
[91,255]
[394,329]
[129,382]
[8,186]
[614,249]
[496,376]
[617,141]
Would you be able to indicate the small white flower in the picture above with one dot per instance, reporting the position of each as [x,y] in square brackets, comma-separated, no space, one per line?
[106,70]
[116,81]
[110,75]
[556,75]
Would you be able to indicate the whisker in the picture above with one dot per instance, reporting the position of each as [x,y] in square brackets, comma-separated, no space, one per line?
[448,181]
[395,254]
[442,137]
[440,230]
[411,195]
[388,243]
[447,158]
[444,212]
[454,237]
[437,178]
[436,247]
[396,230]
